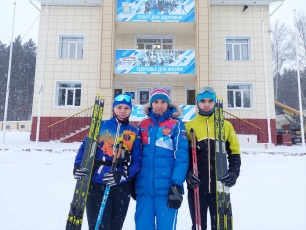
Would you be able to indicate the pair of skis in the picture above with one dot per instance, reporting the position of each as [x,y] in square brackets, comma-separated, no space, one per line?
[224,209]
[77,206]
[197,210]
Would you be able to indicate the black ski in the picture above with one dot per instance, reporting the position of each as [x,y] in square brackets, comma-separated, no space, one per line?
[77,206]
[224,209]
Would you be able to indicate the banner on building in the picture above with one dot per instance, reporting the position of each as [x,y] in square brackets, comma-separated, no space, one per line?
[188,113]
[155,62]
[155,10]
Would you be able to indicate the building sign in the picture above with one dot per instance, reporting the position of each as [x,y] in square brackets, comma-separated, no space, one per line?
[155,62]
[188,113]
[155,10]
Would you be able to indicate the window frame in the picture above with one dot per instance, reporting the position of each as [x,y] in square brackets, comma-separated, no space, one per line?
[79,46]
[186,94]
[242,95]
[70,89]
[120,88]
[154,43]
[238,45]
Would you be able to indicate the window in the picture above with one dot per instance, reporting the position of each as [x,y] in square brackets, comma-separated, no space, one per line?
[239,95]
[154,43]
[68,94]
[71,46]
[190,94]
[118,90]
[237,48]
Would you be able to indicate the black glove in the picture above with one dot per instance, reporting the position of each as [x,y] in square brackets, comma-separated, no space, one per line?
[79,173]
[175,197]
[114,178]
[192,180]
[229,179]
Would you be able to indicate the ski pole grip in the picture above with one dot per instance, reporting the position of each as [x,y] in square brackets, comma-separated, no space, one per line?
[193,138]
[116,156]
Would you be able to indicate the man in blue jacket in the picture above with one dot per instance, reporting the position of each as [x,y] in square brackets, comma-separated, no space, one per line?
[159,183]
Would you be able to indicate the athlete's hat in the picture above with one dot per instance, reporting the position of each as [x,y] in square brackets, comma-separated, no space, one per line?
[159,94]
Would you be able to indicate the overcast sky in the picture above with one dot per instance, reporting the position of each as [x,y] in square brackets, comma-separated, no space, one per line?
[27,17]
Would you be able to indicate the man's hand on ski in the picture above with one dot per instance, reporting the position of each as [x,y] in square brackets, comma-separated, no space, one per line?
[79,173]
[192,180]
[175,197]
[229,179]
[114,178]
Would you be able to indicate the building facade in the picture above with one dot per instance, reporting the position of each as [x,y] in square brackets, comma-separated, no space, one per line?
[120,46]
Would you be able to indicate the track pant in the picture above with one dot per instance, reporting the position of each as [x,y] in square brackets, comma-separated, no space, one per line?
[115,209]
[152,213]
[207,201]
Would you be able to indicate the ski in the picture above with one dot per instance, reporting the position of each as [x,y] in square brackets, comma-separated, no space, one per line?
[195,172]
[224,209]
[77,206]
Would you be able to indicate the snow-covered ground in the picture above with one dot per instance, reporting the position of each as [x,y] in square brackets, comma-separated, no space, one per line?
[36,187]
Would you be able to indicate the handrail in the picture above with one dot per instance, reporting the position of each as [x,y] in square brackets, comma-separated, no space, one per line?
[70,117]
[242,120]
[297,113]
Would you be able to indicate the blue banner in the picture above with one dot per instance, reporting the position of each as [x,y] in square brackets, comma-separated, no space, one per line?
[155,62]
[188,113]
[155,10]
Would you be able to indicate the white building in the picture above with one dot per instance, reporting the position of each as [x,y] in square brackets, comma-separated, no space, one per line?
[108,47]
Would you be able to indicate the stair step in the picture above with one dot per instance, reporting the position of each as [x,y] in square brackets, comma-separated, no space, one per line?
[72,134]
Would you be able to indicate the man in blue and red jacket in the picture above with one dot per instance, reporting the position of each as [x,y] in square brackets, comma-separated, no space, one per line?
[159,183]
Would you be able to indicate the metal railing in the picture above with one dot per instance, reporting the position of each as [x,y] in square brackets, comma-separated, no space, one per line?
[242,126]
[70,125]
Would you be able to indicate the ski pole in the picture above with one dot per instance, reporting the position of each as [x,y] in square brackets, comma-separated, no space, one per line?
[107,189]
[195,172]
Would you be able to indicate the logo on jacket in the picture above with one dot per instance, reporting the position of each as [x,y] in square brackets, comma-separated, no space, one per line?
[166,131]
[127,138]
[107,148]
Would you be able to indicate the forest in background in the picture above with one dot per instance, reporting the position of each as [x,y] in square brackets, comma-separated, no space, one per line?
[21,88]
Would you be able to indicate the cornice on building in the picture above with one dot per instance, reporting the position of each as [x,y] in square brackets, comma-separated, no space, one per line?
[71,2]
[243,2]
[99,2]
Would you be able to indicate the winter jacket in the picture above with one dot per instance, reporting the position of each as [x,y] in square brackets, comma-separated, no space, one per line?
[164,152]
[204,129]
[105,155]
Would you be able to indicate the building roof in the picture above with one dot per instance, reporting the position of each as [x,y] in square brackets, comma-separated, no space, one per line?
[212,2]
